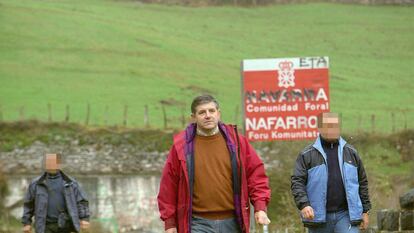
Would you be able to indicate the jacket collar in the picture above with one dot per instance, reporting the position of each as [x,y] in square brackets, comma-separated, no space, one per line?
[318,145]
[66,178]
[191,131]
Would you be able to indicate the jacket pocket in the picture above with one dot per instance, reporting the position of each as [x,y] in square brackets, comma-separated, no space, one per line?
[319,211]
[352,191]
[316,191]
[316,184]
[40,204]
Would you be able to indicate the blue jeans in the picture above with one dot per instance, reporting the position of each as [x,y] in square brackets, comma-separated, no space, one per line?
[337,222]
[202,225]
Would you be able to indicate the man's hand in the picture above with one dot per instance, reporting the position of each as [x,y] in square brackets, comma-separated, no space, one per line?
[307,213]
[261,217]
[27,229]
[171,230]
[84,225]
[365,221]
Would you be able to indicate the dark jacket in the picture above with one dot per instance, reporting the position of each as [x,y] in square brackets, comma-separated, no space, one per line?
[310,179]
[35,203]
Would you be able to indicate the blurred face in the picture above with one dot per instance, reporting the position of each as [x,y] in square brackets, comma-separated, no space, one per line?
[329,127]
[52,165]
[206,116]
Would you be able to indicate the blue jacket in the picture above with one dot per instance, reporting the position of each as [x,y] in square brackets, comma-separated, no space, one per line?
[35,203]
[310,182]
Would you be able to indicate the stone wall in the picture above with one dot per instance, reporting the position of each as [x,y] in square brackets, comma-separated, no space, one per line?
[98,159]
[84,159]
[395,221]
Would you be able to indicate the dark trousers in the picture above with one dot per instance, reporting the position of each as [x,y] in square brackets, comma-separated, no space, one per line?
[53,228]
[202,225]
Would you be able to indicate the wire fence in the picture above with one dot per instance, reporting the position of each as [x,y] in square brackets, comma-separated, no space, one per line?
[165,116]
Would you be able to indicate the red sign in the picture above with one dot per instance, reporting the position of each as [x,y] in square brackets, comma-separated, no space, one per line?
[282,97]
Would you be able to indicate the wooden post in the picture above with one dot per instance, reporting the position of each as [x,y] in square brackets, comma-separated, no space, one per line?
[405,120]
[236,115]
[393,121]
[146,117]
[21,113]
[88,112]
[164,113]
[67,114]
[49,112]
[373,123]
[106,115]
[125,122]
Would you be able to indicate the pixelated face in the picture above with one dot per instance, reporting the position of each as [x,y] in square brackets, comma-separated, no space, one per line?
[52,163]
[206,116]
[329,126]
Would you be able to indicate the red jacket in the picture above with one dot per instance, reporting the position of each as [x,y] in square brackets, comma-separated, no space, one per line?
[175,199]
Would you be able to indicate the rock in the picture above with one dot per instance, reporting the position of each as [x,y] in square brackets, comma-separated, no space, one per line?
[407,200]
[388,220]
[407,220]
[396,231]
[369,230]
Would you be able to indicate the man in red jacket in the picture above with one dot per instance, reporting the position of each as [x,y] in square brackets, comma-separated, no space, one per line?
[210,176]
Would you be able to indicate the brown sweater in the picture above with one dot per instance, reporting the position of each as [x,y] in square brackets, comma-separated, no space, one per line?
[213,192]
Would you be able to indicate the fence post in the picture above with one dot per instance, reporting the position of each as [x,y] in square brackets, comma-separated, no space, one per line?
[21,113]
[405,120]
[88,112]
[146,117]
[373,123]
[49,112]
[393,121]
[164,113]
[67,114]
[125,122]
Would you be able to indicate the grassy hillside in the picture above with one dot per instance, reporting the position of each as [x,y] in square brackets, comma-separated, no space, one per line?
[112,53]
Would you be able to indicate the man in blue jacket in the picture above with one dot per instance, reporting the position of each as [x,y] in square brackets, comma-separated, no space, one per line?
[329,183]
[56,201]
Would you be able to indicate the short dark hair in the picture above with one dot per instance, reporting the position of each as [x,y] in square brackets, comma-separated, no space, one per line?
[328,114]
[203,99]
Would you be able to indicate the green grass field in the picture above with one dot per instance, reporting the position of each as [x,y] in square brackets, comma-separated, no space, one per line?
[112,53]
